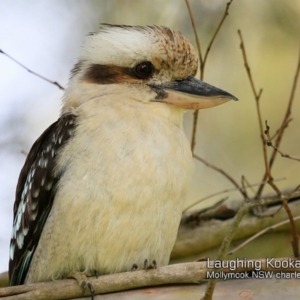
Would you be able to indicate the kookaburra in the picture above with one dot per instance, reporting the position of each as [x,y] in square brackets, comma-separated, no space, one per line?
[103,187]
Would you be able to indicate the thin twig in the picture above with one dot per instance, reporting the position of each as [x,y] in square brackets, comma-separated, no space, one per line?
[243,183]
[282,128]
[279,129]
[268,164]
[202,60]
[225,246]
[32,72]
[270,144]
[223,173]
[297,188]
[265,214]
[195,30]
[295,241]
[255,236]
[257,96]
[251,186]
[242,211]
[206,198]
[213,38]
[223,192]
[195,115]
[247,67]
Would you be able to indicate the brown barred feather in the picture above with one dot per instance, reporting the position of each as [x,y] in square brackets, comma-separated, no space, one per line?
[35,194]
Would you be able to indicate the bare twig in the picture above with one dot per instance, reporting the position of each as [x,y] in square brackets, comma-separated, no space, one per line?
[297,188]
[213,38]
[251,186]
[295,241]
[223,192]
[195,30]
[244,182]
[223,173]
[286,120]
[247,67]
[278,130]
[252,238]
[268,164]
[225,246]
[257,96]
[206,198]
[270,144]
[32,72]
[203,60]
[195,116]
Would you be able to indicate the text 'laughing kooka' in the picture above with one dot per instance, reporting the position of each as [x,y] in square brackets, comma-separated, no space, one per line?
[103,187]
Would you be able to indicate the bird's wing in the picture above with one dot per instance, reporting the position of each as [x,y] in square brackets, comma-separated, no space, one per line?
[35,194]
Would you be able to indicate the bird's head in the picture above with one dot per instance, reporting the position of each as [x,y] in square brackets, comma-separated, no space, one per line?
[151,64]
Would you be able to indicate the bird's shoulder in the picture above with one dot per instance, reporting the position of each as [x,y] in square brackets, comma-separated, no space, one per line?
[35,193]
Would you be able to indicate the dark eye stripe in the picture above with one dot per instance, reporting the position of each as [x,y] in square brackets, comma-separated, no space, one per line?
[109,74]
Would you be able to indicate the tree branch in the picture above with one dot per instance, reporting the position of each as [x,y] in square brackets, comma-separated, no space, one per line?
[32,72]
[184,273]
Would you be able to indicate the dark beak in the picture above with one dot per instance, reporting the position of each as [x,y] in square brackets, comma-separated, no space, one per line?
[191,93]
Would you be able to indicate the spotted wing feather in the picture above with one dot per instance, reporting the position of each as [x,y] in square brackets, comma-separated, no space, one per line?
[35,194]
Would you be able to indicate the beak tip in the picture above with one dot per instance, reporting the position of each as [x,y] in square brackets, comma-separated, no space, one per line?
[228,96]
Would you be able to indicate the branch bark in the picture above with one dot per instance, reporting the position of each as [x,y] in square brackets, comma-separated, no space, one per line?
[193,272]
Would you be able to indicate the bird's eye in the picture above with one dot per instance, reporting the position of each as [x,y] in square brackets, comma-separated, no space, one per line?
[144,70]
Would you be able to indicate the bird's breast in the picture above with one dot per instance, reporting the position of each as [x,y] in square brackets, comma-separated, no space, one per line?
[121,194]
[127,147]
